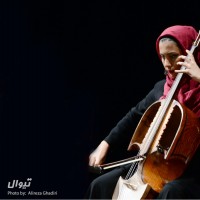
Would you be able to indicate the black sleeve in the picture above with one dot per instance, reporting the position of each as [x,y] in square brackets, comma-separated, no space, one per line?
[124,129]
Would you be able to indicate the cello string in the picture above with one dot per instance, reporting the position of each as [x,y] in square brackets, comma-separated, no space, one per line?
[132,168]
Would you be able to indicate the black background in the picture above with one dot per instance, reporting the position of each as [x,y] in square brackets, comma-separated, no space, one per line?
[69,70]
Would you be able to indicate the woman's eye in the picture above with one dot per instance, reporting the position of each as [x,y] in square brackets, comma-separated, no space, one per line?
[162,57]
[173,57]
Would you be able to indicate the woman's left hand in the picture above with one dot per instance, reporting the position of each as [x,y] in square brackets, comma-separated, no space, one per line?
[191,67]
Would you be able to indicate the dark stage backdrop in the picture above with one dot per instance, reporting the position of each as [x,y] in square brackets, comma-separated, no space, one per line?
[69,71]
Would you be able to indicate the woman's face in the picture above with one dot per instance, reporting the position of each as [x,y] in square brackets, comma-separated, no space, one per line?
[169,52]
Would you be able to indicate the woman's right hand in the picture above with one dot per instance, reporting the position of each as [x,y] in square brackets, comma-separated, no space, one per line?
[98,156]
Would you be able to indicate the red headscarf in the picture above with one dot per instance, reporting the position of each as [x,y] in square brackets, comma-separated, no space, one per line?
[188,92]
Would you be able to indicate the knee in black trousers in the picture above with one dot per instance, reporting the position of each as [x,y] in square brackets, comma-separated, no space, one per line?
[177,189]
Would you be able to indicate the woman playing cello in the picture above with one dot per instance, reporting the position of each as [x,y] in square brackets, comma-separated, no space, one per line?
[172,46]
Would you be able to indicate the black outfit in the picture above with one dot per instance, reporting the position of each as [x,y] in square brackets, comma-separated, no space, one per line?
[102,187]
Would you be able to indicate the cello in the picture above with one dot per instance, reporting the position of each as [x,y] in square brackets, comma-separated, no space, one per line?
[166,138]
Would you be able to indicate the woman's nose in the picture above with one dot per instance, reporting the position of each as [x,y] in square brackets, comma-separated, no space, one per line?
[167,64]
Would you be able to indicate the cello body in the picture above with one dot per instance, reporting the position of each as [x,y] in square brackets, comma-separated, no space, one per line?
[168,148]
